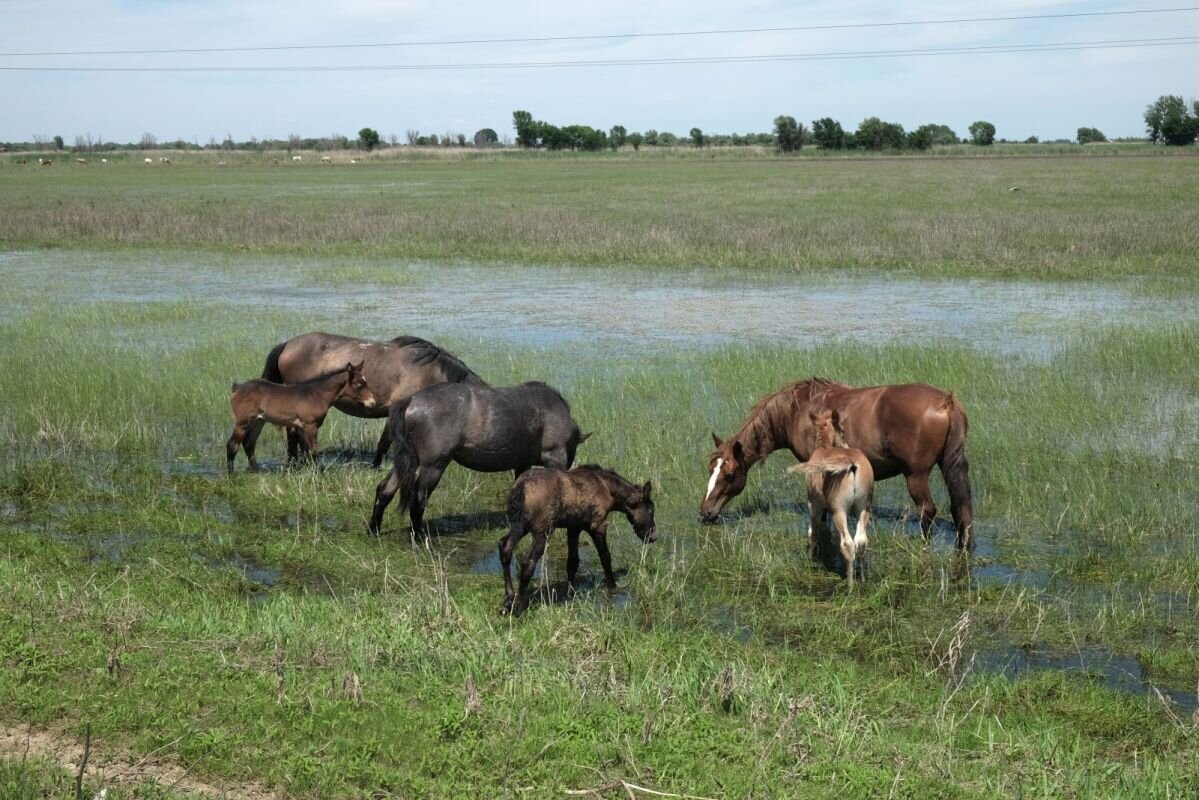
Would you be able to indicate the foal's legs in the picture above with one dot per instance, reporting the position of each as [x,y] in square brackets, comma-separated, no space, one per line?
[848,551]
[860,541]
[309,433]
[507,546]
[383,494]
[527,568]
[235,443]
[818,532]
[253,428]
[923,498]
[599,535]
[572,556]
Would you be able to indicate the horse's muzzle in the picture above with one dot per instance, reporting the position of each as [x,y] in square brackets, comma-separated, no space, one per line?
[707,517]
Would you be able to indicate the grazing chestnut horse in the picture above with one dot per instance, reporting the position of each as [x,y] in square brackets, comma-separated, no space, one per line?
[300,408]
[482,428]
[578,500]
[904,429]
[395,370]
[841,481]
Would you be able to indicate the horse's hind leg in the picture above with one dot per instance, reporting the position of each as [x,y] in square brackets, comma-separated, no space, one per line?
[860,542]
[572,556]
[426,482]
[253,428]
[383,494]
[507,546]
[848,551]
[527,568]
[923,498]
[234,444]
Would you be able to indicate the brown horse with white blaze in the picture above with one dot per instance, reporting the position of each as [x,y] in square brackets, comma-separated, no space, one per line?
[904,429]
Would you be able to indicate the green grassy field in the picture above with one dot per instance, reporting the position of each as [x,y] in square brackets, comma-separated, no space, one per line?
[1071,218]
[249,633]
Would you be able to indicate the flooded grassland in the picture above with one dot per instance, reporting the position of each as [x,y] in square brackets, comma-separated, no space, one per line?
[248,630]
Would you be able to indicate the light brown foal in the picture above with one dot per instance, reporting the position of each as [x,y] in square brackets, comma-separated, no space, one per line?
[299,407]
[840,480]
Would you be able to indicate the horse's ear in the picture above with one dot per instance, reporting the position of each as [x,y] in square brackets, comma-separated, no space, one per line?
[716,440]
[646,489]
[585,436]
[349,367]
[737,450]
[812,415]
[359,365]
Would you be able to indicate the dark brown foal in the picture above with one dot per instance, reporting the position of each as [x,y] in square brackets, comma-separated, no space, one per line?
[299,407]
[578,500]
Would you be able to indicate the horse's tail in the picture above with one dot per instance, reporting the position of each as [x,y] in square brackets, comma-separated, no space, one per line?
[270,370]
[956,471]
[403,451]
[827,464]
[516,505]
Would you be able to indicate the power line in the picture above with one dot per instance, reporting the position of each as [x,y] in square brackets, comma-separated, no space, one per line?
[1048,47]
[602,36]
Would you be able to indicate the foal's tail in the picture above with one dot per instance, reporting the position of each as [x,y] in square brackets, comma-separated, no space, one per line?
[956,471]
[403,451]
[270,371]
[826,464]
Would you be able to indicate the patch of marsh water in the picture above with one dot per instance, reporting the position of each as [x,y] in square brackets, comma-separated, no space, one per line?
[656,309]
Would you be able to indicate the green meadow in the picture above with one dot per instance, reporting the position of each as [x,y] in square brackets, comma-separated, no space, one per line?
[245,637]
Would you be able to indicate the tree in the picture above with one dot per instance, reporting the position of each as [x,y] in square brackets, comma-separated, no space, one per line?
[920,139]
[1032,140]
[788,134]
[486,137]
[982,133]
[697,137]
[1169,121]
[828,134]
[651,137]
[939,134]
[368,139]
[1088,135]
[526,129]
[635,139]
[617,137]
[874,134]
[412,134]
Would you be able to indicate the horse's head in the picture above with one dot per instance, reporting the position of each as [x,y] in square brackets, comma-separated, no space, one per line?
[356,388]
[572,445]
[827,425]
[728,471]
[640,514]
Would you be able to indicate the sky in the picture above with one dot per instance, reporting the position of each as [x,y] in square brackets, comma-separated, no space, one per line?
[1046,94]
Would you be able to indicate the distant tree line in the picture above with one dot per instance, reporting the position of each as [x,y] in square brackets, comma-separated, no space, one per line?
[1168,120]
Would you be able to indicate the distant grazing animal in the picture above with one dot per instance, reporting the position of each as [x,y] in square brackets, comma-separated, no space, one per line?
[104,161]
[353,161]
[841,482]
[297,158]
[300,407]
[395,370]
[578,500]
[22,161]
[81,161]
[904,429]
[481,428]
[326,160]
[149,161]
[164,160]
[45,162]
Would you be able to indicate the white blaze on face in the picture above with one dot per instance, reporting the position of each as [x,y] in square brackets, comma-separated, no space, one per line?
[715,475]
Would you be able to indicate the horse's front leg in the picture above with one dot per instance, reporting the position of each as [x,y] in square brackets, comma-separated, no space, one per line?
[572,556]
[384,446]
[819,536]
[599,535]
[310,432]
[922,496]
[234,444]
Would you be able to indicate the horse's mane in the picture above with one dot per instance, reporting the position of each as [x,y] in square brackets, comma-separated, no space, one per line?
[425,353]
[757,425]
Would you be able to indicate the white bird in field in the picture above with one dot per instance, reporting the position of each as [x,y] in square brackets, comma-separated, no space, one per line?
[1013,188]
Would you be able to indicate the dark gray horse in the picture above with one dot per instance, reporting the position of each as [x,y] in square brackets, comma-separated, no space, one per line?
[394,370]
[482,428]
